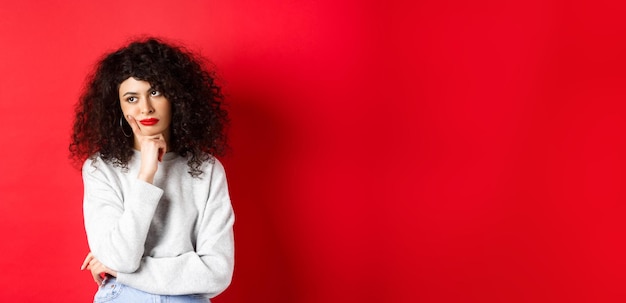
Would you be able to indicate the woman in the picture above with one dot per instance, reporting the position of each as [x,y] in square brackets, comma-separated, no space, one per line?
[156,205]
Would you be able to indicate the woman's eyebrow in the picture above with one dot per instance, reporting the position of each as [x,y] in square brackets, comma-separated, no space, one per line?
[129,93]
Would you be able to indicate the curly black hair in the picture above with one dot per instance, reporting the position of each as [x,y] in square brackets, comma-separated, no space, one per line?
[198,120]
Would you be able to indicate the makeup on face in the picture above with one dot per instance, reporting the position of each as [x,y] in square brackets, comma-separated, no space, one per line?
[147,105]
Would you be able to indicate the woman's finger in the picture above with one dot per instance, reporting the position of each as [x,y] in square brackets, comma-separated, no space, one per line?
[134,125]
[162,147]
[93,263]
[87,261]
[97,278]
[97,271]
[155,144]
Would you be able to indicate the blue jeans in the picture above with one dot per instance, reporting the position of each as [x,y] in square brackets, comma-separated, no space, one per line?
[113,292]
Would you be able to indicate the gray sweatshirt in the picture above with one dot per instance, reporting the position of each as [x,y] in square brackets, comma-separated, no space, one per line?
[172,237]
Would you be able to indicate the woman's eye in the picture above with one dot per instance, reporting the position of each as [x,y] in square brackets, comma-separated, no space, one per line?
[131,99]
[155,93]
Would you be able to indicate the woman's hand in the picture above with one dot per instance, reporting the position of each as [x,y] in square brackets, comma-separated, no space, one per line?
[98,270]
[152,150]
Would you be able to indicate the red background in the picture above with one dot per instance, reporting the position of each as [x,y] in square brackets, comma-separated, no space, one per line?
[440,151]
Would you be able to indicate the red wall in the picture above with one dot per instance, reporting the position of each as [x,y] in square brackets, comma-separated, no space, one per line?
[443,151]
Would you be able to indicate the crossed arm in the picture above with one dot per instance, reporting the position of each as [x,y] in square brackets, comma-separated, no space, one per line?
[153,148]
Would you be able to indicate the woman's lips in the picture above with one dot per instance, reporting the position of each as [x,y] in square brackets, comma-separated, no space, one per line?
[150,121]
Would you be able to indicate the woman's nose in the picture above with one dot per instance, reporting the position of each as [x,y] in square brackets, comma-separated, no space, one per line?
[146,107]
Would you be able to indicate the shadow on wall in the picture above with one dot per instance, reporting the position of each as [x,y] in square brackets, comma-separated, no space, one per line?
[257,171]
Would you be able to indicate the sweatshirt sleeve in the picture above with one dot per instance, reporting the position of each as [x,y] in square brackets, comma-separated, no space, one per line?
[117,224]
[207,270]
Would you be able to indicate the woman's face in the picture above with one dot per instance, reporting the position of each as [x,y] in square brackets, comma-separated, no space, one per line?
[151,110]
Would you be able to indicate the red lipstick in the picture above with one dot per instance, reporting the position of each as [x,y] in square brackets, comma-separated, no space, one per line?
[149,121]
